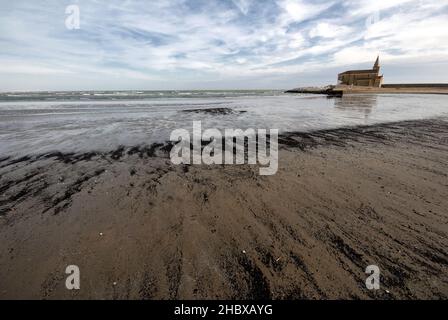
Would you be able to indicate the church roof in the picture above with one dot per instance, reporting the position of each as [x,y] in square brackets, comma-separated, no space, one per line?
[359,71]
[375,69]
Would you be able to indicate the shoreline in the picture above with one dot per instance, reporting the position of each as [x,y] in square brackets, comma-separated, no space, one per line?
[140,227]
[341,90]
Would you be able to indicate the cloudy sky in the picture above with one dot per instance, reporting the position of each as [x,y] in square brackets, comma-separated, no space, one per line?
[217,44]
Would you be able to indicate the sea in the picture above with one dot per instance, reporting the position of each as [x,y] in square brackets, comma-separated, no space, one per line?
[78,121]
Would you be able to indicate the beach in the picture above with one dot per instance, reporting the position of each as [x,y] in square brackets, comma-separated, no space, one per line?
[139,227]
[211,158]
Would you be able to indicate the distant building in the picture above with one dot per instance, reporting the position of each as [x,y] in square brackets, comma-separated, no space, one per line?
[363,78]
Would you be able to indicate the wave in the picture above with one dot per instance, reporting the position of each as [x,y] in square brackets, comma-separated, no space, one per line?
[130,95]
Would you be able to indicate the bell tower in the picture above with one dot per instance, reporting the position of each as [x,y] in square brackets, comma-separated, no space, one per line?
[376,66]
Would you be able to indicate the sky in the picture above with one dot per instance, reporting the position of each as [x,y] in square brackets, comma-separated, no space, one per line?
[217,44]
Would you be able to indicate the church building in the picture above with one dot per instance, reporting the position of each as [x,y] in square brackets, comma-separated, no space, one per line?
[363,78]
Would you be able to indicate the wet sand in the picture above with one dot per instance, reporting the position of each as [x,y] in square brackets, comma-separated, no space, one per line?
[139,227]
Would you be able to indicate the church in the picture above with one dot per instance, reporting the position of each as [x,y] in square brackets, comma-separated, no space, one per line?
[362,78]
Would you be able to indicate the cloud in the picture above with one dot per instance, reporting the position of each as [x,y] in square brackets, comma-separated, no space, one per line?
[366,7]
[18,67]
[299,10]
[151,43]
[326,30]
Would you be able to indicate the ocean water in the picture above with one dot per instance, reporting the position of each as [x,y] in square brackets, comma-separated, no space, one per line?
[34,123]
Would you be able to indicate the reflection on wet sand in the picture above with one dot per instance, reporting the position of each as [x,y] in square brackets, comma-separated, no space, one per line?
[357,103]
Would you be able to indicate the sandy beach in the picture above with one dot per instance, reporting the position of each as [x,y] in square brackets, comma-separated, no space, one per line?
[139,227]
